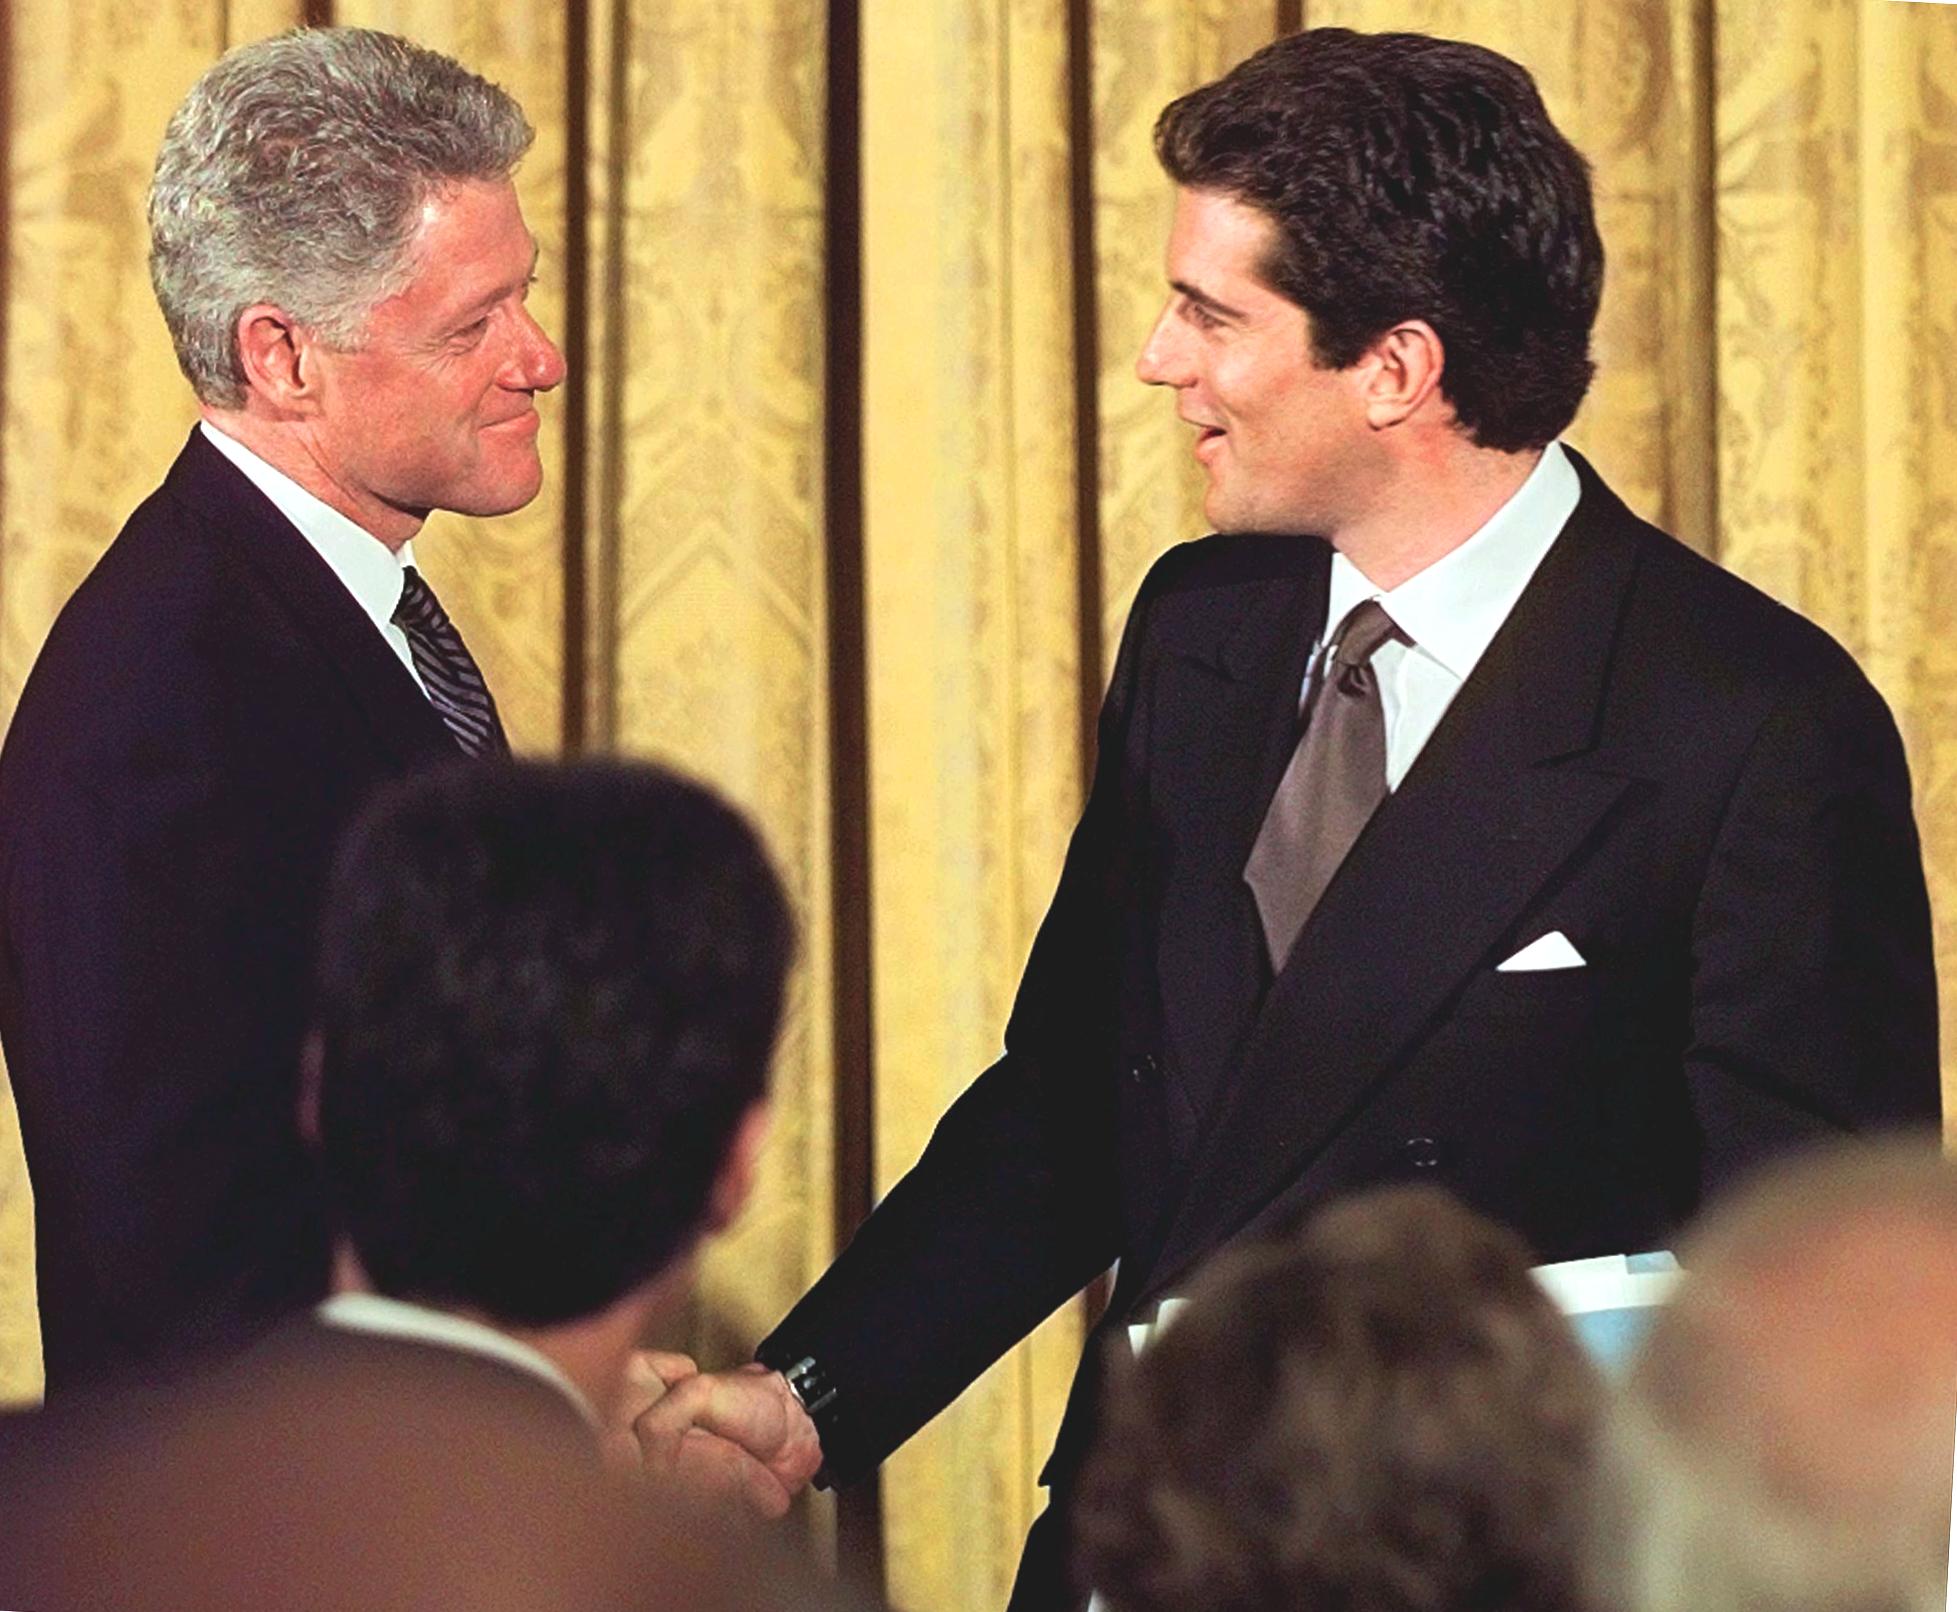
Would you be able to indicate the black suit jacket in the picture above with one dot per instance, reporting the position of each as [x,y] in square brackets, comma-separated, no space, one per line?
[209,709]
[1696,786]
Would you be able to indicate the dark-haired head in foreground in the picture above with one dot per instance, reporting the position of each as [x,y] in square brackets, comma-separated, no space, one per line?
[1382,1413]
[547,1000]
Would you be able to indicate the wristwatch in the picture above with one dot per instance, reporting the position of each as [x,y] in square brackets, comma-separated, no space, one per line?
[817,1395]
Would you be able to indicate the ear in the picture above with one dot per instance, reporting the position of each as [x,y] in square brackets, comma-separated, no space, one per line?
[735,1178]
[280,358]
[1405,368]
[311,1060]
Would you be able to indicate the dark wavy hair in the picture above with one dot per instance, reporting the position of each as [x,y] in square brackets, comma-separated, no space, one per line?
[1381,1414]
[547,994]
[1412,177]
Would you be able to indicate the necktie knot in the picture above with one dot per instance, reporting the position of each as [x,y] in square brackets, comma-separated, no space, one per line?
[1365,628]
[418,610]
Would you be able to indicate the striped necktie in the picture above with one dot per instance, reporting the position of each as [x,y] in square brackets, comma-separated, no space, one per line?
[449,673]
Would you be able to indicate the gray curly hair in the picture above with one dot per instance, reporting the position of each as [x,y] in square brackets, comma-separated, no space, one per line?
[294,174]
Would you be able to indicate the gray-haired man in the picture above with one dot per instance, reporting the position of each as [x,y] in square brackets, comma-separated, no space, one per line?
[340,257]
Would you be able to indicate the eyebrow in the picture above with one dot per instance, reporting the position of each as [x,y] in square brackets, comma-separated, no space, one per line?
[1204,299]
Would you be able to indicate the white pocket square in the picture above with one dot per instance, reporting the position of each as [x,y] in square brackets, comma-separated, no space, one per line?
[1553,950]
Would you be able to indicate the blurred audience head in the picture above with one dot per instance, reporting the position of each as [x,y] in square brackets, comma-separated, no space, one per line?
[1409,177]
[295,173]
[1784,1443]
[547,1001]
[339,1484]
[1380,1412]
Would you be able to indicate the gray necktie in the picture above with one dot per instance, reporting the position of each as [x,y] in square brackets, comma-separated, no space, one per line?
[1336,779]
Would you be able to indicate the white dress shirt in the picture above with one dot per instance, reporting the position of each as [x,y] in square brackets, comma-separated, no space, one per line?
[367,568]
[380,1316]
[1454,608]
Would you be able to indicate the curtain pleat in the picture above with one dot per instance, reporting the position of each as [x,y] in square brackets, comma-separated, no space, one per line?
[706,645]
[972,616]
[1150,489]
[1777,186]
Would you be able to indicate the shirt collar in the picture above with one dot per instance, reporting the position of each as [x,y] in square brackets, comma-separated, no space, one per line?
[367,568]
[381,1316]
[1454,608]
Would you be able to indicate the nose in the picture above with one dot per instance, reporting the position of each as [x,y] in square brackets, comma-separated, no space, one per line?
[537,365]
[1161,360]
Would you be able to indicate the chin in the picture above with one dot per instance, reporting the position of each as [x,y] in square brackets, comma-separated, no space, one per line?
[1226,517]
[1232,516]
[502,496]
[1228,513]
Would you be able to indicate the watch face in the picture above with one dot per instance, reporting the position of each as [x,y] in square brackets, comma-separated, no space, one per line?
[807,1381]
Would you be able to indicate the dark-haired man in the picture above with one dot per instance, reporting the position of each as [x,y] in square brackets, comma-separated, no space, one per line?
[1448,823]
[547,998]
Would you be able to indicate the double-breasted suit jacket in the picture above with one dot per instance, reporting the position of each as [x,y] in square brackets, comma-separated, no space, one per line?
[1692,784]
[210,708]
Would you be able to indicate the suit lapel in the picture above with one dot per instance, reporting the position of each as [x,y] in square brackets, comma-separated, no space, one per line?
[1228,704]
[359,660]
[1508,789]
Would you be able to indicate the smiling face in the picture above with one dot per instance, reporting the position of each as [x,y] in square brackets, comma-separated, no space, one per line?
[436,407]
[1285,442]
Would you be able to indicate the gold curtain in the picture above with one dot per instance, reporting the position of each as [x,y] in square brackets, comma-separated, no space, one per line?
[1778,191]
[971,583]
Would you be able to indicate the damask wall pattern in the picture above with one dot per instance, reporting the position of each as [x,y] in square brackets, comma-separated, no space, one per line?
[1835,323]
[1907,246]
[971,588]
[706,641]
[1149,495]
[1777,385]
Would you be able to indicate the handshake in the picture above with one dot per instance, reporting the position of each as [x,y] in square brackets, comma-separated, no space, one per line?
[740,1432]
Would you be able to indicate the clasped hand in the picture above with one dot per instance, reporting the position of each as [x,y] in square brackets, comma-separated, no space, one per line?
[740,1432]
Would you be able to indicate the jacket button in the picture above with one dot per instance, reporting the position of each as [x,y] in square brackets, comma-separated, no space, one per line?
[1421,1153]
[1144,1068]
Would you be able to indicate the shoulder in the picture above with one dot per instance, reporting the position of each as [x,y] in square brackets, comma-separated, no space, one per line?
[144,663]
[422,1385]
[1233,560]
[1705,629]
[1200,592]
[1219,599]
[171,568]
[121,653]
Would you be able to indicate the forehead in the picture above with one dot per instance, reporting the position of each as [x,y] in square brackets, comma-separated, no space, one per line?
[1217,233]
[471,242]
